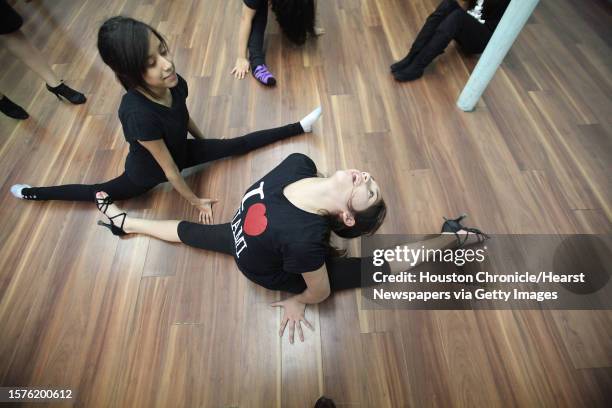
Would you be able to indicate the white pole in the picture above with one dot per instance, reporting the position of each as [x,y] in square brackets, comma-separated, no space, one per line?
[509,27]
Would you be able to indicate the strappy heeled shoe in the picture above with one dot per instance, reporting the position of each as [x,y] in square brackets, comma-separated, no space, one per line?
[70,94]
[454,226]
[102,204]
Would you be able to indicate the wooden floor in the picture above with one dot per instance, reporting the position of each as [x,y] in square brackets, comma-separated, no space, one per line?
[141,323]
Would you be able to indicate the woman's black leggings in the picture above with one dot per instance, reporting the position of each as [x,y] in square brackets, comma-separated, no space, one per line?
[198,152]
[343,273]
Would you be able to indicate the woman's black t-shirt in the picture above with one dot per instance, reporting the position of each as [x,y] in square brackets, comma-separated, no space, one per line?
[143,119]
[274,240]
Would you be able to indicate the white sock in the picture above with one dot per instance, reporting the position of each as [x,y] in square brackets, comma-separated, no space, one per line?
[310,119]
[16,190]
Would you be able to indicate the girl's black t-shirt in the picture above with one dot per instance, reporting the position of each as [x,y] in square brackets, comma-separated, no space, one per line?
[143,119]
[274,240]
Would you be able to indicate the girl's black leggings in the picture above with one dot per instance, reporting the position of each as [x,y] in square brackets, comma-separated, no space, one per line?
[257,55]
[198,152]
[343,272]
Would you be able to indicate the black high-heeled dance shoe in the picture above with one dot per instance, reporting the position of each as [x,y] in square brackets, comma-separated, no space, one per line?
[454,226]
[102,204]
[70,94]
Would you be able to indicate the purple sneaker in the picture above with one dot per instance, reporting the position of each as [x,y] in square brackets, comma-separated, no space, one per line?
[263,75]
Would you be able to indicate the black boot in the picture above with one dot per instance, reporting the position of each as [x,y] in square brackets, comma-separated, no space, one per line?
[10,108]
[427,32]
[70,94]
[435,47]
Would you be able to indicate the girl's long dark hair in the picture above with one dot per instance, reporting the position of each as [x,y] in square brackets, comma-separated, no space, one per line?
[367,222]
[123,44]
[296,18]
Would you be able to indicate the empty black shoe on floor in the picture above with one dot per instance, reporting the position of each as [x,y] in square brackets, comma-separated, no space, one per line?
[70,94]
[10,108]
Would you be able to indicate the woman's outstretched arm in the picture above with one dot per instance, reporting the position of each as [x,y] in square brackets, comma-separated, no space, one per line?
[241,68]
[294,308]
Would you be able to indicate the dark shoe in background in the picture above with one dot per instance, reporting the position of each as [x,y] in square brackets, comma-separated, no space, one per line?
[70,94]
[10,108]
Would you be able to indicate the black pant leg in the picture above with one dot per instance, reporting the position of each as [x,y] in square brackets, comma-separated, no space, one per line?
[346,272]
[217,237]
[450,25]
[257,55]
[11,20]
[442,36]
[202,151]
[431,24]
[472,36]
[120,188]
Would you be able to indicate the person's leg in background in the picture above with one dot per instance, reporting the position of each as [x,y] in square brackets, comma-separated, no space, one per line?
[17,44]
[11,109]
[10,21]
[20,47]
[257,55]
[442,36]
[426,33]
[473,37]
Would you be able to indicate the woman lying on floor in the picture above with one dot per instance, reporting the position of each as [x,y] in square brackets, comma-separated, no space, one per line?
[280,233]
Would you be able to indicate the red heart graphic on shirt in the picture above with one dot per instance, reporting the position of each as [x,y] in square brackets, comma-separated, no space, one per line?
[255,222]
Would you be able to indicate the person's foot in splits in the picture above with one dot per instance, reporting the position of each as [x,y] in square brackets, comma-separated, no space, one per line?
[117,219]
[310,119]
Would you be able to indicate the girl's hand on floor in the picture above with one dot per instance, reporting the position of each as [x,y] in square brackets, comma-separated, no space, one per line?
[319,30]
[293,316]
[241,68]
[204,206]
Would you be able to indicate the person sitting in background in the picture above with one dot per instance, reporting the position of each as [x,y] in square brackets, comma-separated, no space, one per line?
[471,28]
[17,44]
[296,19]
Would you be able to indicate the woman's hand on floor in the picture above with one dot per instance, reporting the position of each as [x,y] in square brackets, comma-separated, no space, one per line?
[293,316]
[241,68]
[204,206]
